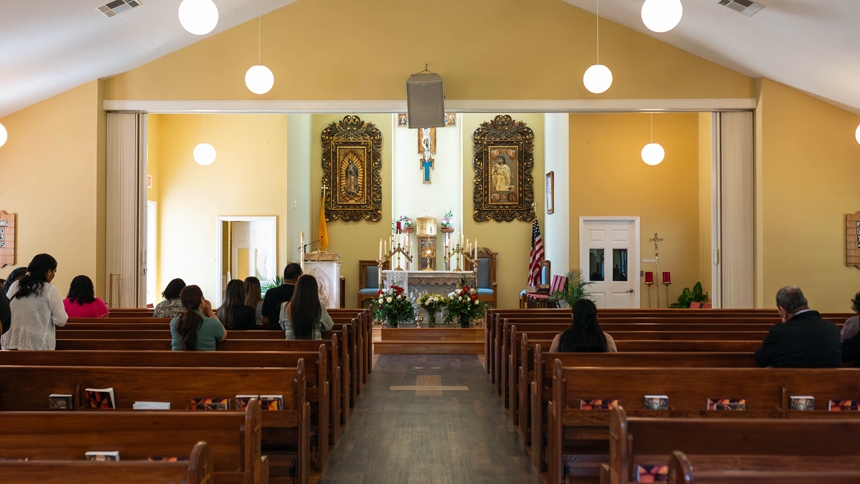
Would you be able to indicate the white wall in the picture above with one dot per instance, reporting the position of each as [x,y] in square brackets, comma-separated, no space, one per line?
[556,225]
[298,201]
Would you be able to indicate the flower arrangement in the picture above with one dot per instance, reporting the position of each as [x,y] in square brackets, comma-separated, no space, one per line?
[431,303]
[404,222]
[448,219]
[464,306]
[394,306]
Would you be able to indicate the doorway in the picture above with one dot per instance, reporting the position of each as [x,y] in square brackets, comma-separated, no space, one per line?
[247,247]
[609,258]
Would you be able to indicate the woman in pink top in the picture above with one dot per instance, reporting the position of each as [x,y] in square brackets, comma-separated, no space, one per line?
[81,301]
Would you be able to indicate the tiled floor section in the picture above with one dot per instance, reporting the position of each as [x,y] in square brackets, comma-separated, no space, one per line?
[439,434]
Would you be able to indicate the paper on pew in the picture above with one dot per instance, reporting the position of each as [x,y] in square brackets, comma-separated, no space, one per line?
[151,406]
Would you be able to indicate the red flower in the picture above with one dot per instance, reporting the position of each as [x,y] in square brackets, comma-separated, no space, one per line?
[379,293]
[473,297]
[465,289]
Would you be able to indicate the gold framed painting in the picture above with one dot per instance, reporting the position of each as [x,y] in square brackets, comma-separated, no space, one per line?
[351,162]
[503,162]
[550,192]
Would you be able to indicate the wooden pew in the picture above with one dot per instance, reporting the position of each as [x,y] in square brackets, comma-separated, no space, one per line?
[681,470]
[766,390]
[197,470]
[233,438]
[27,387]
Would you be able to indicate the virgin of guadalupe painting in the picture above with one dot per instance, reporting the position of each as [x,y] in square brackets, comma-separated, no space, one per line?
[351,161]
[503,162]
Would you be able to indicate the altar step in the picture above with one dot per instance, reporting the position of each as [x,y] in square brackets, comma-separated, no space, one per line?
[430,341]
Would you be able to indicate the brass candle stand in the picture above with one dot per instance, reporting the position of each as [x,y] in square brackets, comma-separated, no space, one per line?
[396,250]
[453,253]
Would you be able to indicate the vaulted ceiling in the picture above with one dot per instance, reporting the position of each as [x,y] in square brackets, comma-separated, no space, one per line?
[48,47]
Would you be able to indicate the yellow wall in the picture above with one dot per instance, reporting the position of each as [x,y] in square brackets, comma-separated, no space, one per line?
[705,221]
[488,49]
[51,168]
[512,240]
[609,178]
[809,181]
[153,167]
[248,178]
[353,241]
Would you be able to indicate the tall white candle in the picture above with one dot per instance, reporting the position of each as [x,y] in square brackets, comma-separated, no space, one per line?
[476,248]
[380,249]
[302,251]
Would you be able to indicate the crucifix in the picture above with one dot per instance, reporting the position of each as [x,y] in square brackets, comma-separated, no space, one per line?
[656,240]
[426,166]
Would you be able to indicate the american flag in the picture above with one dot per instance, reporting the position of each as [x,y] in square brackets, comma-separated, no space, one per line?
[536,255]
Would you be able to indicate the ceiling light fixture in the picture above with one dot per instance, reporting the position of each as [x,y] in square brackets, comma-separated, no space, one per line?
[662,15]
[598,77]
[4,135]
[198,17]
[653,153]
[259,78]
[204,153]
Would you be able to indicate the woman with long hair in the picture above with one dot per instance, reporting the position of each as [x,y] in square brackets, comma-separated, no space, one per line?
[305,316]
[171,306]
[37,308]
[584,333]
[254,298]
[81,301]
[234,313]
[197,329]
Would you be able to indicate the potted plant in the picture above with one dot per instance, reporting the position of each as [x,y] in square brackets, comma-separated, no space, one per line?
[687,296]
[432,303]
[405,224]
[575,289]
[464,306]
[394,306]
[448,222]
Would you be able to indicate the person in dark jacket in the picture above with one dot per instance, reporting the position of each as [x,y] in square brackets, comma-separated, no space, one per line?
[804,340]
[5,314]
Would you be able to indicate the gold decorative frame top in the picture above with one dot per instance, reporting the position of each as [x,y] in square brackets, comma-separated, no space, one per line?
[503,162]
[351,162]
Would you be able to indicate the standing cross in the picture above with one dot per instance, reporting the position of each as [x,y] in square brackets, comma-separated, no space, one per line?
[427,165]
[656,248]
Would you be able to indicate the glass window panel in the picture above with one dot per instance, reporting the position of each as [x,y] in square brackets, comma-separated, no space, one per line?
[619,264]
[595,265]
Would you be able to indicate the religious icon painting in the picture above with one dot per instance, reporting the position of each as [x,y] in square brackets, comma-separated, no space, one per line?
[351,162]
[426,140]
[503,162]
[402,120]
[450,119]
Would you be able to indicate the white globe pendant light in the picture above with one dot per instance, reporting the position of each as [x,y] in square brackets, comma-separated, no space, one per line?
[4,135]
[652,154]
[597,78]
[198,17]
[204,154]
[259,78]
[662,15]
[856,135]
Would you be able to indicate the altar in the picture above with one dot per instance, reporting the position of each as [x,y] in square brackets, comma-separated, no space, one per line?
[441,282]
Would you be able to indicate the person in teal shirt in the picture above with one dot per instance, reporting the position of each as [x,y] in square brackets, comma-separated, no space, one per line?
[197,329]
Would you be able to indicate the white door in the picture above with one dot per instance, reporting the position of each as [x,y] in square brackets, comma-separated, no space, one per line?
[608,256]
[251,242]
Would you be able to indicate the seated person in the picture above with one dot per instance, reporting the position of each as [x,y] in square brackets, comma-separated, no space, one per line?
[852,324]
[197,329]
[81,301]
[253,297]
[5,315]
[271,312]
[234,313]
[804,340]
[305,316]
[171,306]
[584,333]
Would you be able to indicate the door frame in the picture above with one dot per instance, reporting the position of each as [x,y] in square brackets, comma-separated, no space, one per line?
[273,246]
[636,269]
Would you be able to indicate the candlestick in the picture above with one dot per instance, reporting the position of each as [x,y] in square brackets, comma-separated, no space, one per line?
[476,248]
[380,249]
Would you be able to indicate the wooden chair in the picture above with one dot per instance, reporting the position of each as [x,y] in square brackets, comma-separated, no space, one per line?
[545,273]
[559,283]
[486,278]
[368,280]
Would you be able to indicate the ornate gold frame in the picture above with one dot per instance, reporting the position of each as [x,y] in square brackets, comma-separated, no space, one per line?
[351,163]
[498,142]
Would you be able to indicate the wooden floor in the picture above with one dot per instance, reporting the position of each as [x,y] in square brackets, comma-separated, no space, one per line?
[441,423]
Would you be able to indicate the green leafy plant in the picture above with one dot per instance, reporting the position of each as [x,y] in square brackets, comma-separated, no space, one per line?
[575,290]
[448,219]
[271,283]
[687,296]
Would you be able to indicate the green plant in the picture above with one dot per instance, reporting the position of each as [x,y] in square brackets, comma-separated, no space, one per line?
[687,296]
[271,283]
[575,290]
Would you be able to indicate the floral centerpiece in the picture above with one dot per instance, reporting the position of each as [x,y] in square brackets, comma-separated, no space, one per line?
[448,221]
[431,303]
[394,306]
[405,224]
[464,306]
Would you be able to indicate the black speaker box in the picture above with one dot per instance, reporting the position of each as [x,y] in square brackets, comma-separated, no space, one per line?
[425,101]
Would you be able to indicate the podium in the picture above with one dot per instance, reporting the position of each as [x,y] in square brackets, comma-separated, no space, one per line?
[325,267]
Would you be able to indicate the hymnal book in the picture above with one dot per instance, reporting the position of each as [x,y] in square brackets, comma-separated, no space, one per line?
[656,473]
[100,456]
[727,404]
[598,404]
[99,398]
[803,403]
[60,401]
[843,406]
[656,402]
[210,403]
[242,401]
[151,406]
[272,402]
[166,459]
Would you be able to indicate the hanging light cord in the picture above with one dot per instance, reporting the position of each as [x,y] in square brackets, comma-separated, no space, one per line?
[652,127]
[597,20]
[259,32]
[204,128]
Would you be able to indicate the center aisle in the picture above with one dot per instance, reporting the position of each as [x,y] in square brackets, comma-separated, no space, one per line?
[433,419]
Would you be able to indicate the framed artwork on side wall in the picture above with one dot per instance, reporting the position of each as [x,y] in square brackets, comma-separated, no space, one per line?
[351,163]
[503,162]
[550,192]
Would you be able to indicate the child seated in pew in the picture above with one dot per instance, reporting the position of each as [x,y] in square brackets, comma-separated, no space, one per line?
[305,316]
[234,313]
[197,329]
[584,334]
[81,301]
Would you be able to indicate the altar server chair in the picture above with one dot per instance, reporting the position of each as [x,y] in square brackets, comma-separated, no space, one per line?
[545,274]
[368,280]
[486,278]
[559,283]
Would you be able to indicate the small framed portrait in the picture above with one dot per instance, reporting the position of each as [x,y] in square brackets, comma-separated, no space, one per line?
[450,119]
[402,120]
[550,192]
[426,140]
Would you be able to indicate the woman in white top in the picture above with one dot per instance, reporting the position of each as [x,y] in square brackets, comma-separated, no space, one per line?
[37,308]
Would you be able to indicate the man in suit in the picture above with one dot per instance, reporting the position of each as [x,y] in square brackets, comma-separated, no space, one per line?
[804,340]
[277,295]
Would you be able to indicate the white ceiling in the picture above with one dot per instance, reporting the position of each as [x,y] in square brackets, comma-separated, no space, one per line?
[50,46]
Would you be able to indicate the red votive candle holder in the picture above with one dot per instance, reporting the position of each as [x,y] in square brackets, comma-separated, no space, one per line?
[649,278]
[667,278]
[398,227]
